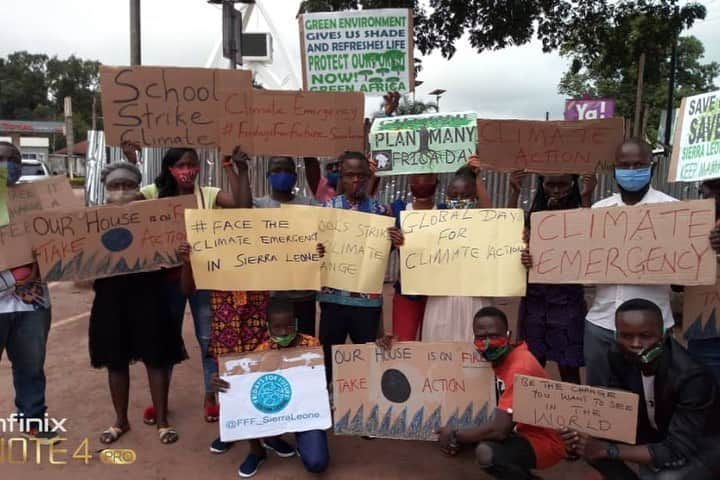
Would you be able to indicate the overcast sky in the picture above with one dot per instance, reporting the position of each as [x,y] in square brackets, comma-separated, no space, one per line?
[518,82]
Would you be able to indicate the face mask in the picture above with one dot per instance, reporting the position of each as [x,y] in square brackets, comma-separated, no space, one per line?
[120,196]
[283,181]
[492,349]
[461,204]
[285,340]
[422,191]
[14,172]
[647,359]
[358,190]
[185,176]
[633,180]
[333,178]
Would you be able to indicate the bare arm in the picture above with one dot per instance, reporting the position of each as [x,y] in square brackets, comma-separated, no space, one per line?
[498,427]
[241,196]
[312,173]
[516,179]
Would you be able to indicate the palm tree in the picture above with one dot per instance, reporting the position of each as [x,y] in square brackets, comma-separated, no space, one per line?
[408,106]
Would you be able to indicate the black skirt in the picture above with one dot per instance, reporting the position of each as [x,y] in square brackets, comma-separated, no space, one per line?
[130,322]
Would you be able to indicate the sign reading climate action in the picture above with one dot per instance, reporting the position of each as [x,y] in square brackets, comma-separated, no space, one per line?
[273,392]
[463,252]
[660,243]
[368,51]
[434,143]
[696,146]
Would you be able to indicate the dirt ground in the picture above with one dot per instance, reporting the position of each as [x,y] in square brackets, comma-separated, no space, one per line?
[79,393]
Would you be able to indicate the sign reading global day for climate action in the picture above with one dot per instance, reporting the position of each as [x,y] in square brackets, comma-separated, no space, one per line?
[463,252]
[696,147]
[660,243]
[589,109]
[96,242]
[22,200]
[602,413]
[198,107]
[273,392]
[434,143]
[410,391]
[368,51]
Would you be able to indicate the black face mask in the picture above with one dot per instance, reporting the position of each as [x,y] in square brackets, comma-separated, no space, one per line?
[648,359]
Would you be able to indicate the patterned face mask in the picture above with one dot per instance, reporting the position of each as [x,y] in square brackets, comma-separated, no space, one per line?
[461,204]
[492,348]
[185,176]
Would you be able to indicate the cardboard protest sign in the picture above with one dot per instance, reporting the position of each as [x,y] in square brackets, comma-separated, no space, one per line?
[22,200]
[96,242]
[599,412]
[659,243]
[696,146]
[410,391]
[254,249]
[432,143]
[463,252]
[197,107]
[589,108]
[369,51]
[4,215]
[700,312]
[273,392]
[549,147]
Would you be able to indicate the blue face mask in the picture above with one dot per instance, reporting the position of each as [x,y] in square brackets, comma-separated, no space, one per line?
[633,180]
[14,172]
[333,178]
[283,181]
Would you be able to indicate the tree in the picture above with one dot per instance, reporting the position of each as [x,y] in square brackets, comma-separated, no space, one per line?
[409,107]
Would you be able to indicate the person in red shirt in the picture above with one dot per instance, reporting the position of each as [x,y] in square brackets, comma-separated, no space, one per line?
[505,449]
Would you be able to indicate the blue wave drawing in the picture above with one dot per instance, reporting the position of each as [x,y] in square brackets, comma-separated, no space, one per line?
[98,265]
[696,330]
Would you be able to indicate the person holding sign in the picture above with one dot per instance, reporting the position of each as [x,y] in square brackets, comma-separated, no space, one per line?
[178,176]
[552,316]
[24,322]
[505,449]
[129,321]
[678,430]
[312,446]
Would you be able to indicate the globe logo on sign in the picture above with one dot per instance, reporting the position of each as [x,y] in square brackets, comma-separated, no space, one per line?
[270,393]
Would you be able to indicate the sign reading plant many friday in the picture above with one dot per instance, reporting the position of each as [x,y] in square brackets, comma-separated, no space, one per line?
[431,143]
[273,392]
[363,50]
[696,146]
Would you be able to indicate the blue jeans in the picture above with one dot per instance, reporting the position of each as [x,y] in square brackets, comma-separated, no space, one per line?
[200,308]
[707,352]
[24,335]
[312,447]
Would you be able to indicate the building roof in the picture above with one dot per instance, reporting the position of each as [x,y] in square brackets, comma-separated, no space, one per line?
[21,126]
[80,149]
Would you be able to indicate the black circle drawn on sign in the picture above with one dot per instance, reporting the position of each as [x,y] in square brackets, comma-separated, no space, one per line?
[395,386]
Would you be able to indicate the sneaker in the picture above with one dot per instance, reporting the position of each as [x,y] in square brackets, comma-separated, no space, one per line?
[218,446]
[250,466]
[279,446]
[43,438]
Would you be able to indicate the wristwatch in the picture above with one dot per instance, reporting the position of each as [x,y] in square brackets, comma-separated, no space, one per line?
[612,451]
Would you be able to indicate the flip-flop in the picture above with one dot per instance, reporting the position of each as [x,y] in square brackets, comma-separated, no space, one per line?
[149,416]
[168,435]
[212,412]
[112,434]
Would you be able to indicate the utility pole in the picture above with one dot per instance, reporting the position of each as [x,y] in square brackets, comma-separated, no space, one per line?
[135,58]
[69,136]
[637,123]
[671,82]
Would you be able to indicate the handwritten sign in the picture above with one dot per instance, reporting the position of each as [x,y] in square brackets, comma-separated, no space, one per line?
[96,242]
[700,312]
[273,392]
[431,143]
[410,391]
[661,243]
[369,51]
[589,109]
[260,249]
[599,412]
[197,107]
[696,146]
[549,147]
[22,200]
[4,214]
[463,252]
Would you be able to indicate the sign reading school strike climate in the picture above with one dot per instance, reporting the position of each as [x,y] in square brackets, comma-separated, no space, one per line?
[463,252]
[660,243]
[369,51]
[599,412]
[22,200]
[696,146]
[273,392]
[434,143]
[411,390]
[549,147]
[207,108]
[96,242]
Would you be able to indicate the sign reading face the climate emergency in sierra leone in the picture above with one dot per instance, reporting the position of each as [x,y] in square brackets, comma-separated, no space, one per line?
[368,51]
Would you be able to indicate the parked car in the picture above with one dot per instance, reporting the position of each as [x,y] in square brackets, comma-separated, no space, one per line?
[33,170]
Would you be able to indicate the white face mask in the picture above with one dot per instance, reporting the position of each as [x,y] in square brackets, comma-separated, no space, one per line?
[120,196]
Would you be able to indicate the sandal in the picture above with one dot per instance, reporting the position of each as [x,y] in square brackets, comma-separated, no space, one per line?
[149,416]
[212,412]
[168,435]
[112,434]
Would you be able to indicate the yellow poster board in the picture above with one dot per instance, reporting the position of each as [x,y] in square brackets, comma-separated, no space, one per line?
[463,252]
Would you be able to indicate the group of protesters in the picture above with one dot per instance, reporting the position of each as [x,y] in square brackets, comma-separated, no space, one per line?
[624,339]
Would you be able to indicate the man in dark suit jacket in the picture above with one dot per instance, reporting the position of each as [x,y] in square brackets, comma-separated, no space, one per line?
[678,429]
